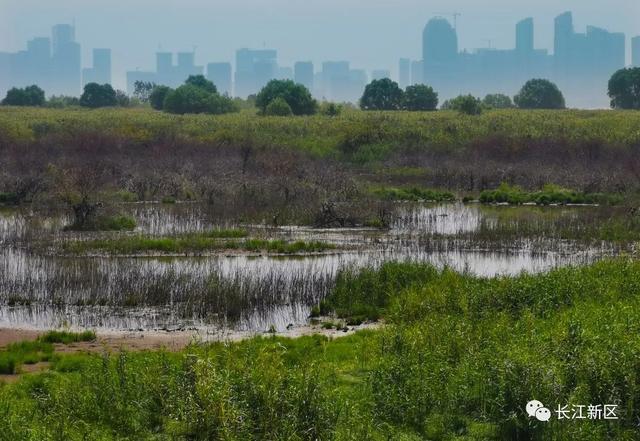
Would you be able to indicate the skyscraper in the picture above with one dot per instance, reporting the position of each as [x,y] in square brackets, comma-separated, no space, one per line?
[303,74]
[440,57]
[254,69]
[220,75]
[417,72]
[563,38]
[404,72]
[101,71]
[66,65]
[524,37]
[635,51]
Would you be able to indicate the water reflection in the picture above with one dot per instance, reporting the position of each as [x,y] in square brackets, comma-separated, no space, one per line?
[242,292]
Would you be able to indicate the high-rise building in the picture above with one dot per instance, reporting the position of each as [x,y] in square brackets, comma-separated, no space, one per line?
[303,74]
[440,57]
[220,75]
[404,72]
[164,63]
[254,69]
[417,72]
[66,63]
[101,71]
[635,51]
[524,37]
[563,38]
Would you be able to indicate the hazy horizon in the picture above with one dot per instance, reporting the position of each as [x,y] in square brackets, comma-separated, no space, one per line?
[371,35]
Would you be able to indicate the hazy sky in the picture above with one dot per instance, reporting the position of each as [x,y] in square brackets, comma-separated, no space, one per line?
[370,33]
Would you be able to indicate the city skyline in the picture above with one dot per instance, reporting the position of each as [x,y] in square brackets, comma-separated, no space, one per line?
[372,35]
[592,55]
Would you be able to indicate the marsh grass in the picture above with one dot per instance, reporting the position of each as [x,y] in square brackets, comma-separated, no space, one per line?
[549,194]
[67,337]
[193,243]
[458,359]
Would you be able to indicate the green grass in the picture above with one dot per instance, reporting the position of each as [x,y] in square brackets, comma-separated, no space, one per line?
[363,136]
[193,243]
[458,359]
[26,352]
[66,337]
[550,194]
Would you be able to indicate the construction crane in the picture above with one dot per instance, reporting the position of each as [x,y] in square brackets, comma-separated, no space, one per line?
[455,16]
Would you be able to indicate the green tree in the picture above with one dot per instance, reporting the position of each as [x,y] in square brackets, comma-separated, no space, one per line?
[624,89]
[382,94]
[96,95]
[539,94]
[219,104]
[467,104]
[122,98]
[142,90]
[420,97]
[187,99]
[201,82]
[497,101]
[330,109]
[278,107]
[157,96]
[29,96]
[297,97]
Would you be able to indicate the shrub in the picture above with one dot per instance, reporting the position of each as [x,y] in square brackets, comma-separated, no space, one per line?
[157,96]
[278,107]
[539,94]
[297,97]
[497,101]
[96,95]
[420,97]
[187,99]
[330,109]
[466,104]
[383,94]
[624,89]
[29,96]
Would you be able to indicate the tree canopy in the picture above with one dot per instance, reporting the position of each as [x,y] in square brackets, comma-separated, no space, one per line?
[98,95]
[420,97]
[296,96]
[539,94]
[201,82]
[29,96]
[383,94]
[195,96]
[624,89]
[497,101]
[157,96]
[467,104]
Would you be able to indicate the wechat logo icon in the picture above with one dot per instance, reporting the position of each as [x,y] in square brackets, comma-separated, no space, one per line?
[537,410]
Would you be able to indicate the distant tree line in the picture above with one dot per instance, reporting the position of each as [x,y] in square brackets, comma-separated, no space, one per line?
[285,97]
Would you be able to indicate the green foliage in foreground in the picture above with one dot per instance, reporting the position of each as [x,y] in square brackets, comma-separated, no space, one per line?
[66,337]
[550,194]
[458,359]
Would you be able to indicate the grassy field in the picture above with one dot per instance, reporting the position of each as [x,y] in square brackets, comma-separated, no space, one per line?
[321,135]
[459,358]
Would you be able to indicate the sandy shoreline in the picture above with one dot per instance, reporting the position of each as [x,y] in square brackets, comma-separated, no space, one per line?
[111,341]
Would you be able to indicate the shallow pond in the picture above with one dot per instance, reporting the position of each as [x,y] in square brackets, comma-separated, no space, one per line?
[255,293]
